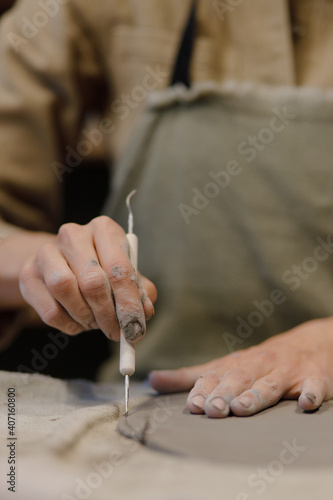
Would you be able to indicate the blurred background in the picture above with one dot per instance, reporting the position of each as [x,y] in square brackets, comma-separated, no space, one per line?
[5,5]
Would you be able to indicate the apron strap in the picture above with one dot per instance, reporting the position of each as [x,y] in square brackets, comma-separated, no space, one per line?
[181,71]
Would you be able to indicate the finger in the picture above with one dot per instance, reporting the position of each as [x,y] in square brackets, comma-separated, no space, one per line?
[77,246]
[264,393]
[250,366]
[36,294]
[121,276]
[182,379]
[232,384]
[148,286]
[62,285]
[148,295]
[147,304]
[202,389]
[313,394]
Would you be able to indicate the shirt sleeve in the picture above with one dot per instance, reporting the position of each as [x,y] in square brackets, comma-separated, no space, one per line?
[49,73]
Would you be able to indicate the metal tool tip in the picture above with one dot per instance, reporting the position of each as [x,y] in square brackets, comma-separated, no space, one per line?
[128,199]
[126,394]
[130,213]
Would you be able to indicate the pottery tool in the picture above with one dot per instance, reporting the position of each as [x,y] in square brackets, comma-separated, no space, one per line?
[127,349]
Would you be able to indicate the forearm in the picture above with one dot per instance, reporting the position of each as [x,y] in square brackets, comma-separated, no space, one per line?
[15,251]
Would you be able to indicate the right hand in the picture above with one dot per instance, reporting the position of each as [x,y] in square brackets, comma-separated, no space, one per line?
[84,280]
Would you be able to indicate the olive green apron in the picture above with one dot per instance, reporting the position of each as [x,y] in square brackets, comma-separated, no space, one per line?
[234,215]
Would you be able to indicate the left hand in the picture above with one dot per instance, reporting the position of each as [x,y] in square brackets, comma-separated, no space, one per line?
[297,364]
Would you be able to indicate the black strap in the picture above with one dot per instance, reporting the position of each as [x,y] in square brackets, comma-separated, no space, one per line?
[181,71]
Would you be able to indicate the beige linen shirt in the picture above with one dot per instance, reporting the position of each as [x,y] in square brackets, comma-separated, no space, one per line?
[60,62]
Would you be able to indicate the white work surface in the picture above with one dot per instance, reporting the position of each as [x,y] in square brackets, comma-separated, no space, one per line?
[68,448]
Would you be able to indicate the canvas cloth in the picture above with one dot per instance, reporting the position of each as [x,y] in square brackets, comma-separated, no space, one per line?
[67,440]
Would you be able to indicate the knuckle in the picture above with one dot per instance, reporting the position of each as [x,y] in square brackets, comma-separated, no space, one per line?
[50,316]
[86,319]
[103,220]
[44,251]
[60,283]
[121,273]
[268,356]
[92,283]
[108,224]
[27,272]
[318,378]
[243,375]
[209,377]
[66,231]
[272,385]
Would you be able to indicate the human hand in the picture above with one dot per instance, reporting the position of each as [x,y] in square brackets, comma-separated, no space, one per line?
[295,364]
[84,280]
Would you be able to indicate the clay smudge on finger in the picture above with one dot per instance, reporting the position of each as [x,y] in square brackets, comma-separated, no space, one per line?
[131,319]
[134,331]
[135,278]
[311,397]
[118,272]
[88,263]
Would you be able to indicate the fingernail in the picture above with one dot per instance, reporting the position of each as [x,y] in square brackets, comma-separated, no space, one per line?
[148,303]
[93,325]
[311,397]
[245,402]
[198,402]
[218,403]
[133,331]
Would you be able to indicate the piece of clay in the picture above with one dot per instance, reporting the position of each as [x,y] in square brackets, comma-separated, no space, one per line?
[282,433]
